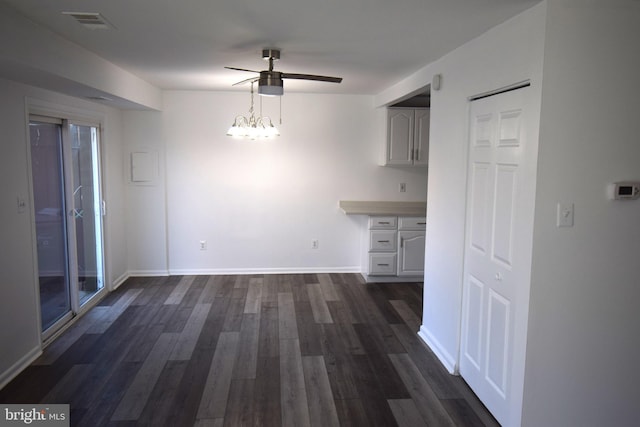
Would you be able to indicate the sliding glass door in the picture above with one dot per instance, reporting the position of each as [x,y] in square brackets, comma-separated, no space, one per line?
[68,216]
[87,210]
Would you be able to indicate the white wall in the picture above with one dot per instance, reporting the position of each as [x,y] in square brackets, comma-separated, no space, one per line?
[19,308]
[583,345]
[259,204]
[509,53]
[146,223]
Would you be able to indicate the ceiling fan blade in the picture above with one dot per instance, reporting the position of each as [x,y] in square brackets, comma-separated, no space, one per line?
[241,69]
[311,77]
[252,79]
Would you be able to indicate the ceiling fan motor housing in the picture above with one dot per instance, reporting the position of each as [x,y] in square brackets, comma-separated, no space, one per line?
[270,83]
[270,54]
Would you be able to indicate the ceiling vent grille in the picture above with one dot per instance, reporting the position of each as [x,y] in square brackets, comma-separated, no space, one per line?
[91,20]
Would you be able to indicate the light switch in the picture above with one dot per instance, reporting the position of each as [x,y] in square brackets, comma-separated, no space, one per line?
[565,215]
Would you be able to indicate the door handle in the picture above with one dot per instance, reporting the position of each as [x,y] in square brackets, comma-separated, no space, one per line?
[498,277]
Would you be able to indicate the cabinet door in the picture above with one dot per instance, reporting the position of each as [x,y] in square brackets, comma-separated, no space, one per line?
[421,138]
[400,129]
[411,253]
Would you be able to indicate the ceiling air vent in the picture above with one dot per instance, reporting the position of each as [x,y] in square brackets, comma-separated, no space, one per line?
[91,20]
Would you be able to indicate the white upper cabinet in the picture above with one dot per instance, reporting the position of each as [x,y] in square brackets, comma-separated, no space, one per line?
[407,137]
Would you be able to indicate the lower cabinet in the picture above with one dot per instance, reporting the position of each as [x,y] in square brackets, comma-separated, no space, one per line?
[395,249]
[411,253]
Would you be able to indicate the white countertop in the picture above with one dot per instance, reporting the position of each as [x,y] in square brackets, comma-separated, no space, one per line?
[354,207]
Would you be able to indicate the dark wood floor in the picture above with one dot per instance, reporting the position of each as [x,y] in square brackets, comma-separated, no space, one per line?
[273,350]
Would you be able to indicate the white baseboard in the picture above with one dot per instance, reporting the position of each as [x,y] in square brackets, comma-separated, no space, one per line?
[392,279]
[148,273]
[441,353]
[119,281]
[19,366]
[244,271]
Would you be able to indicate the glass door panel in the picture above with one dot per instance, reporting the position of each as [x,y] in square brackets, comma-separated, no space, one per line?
[50,221]
[87,211]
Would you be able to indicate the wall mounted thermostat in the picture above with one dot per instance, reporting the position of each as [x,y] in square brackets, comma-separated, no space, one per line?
[626,190]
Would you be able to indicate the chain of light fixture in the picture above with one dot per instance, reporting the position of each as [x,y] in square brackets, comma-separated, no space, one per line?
[252,127]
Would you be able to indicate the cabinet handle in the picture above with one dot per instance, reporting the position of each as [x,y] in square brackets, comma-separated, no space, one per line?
[383,265]
[383,241]
[422,223]
[383,222]
[402,242]
[417,154]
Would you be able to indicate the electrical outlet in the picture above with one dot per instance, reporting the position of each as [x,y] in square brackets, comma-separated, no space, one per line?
[22,205]
[203,245]
[402,187]
[315,244]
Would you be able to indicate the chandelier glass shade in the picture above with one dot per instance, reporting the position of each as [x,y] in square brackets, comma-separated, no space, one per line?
[252,127]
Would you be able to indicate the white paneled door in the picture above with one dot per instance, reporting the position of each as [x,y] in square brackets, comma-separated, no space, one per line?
[501,187]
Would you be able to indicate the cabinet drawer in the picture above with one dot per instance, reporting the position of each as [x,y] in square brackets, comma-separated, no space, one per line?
[412,223]
[382,264]
[383,222]
[383,240]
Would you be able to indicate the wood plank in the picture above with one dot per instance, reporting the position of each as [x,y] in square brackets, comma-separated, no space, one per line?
[287,326]
[341,376]
[194,293]
[239,411]
[246,363]
[351,412]
[406,413]
[161,400]
[216,422]
[407,315]
[108,397]
[67,387]
[426,400]
[370,391]
[269,337]
[378,338]
[254,296]
[441,382]
[242,281]
[189,336]
[189,393]
[137,394]
[269,288]
[310,333]
[322,409]
[233,317]
[210,291]
[71,335]
[267,408]
[328,288]
[463,415]
[319,306]
[114,312]
[216,390]
[180,290]
[214,323]
[293,395]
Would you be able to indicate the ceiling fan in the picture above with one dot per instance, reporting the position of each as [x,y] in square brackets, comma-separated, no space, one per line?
[270,81]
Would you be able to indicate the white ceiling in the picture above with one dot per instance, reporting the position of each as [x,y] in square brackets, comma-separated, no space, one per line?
[185,44]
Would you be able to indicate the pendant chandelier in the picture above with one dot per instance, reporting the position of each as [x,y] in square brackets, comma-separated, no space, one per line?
[252,127]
